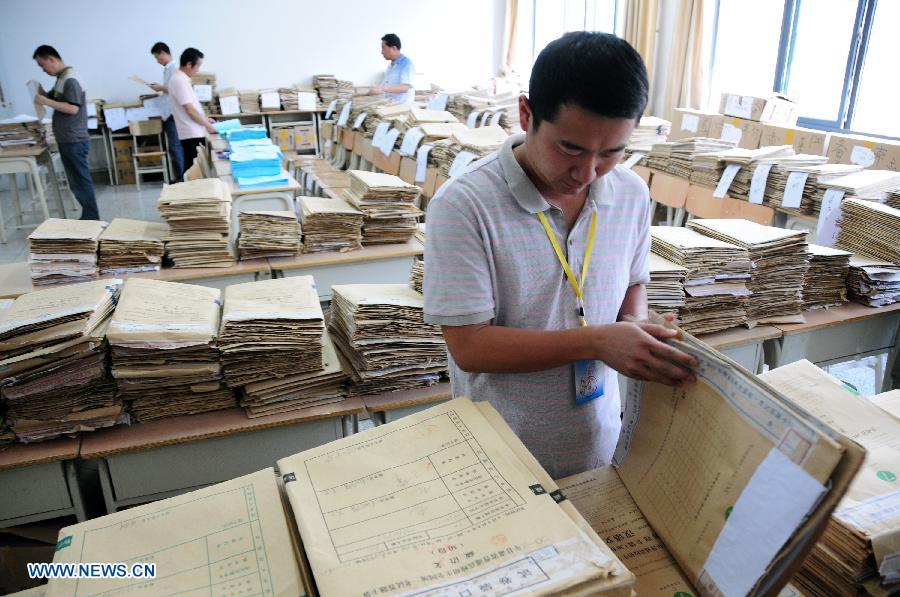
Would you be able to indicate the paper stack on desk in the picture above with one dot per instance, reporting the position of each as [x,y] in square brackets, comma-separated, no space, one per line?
[871,229]
[470,143]
[64,251]
[53,376]
[873,282]
[205,88]
[16,134]
[747,161]
[128,246]
[330,225]
[443,502]
[800,194]
[388,203]
[715,284]
[660,156]
[249,100]
[871,185]
[330,88]
[417,275]
[164,353]
[825,282]
[270,329]
[779,262]
[683,152]
[649,131]
[892,198]
[256,162]
[665,291]
[199,217]
[379,329]
[268,234]
[706,167]
[858,550]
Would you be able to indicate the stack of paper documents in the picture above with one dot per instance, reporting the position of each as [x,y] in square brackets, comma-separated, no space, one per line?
[256,162]
[682,152]
[892,198]
[660,156]
[873,282]
[706,168]
[825,283]
[330,225]
[715,284]
[249,100]
[427,133]
[361,107]
[388,113]
[242,135]
[746,162]
[53,375]
[443,502]
[779,262]
[16,134]
[889,402]
[229,101]
[199,217]
[469,144]
[269,100]
[330,88]
[64,251]
[205,88]
[271,328]
[665,291]
[871,229]
[388,203]
[649,130]
[291,97]
[810,191]
[128,246]
[380,330]
[268,234]
[164,354]
[857,552]
[417,276]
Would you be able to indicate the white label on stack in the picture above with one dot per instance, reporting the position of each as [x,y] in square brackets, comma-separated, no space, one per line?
[345,114]
[484,118]
[758,183]
[331,106]
[438,102]
[793,190]
[495,119]
[359,120]
[829,214]
[270,100]
[229,104]
[862,156]
[463,159]
[387,144]
[203,93]
[472,119]
[309,182]
[690,122]
[380,131]
[411,140]
[731,133]
[422,162]
[633,159]
[728,175]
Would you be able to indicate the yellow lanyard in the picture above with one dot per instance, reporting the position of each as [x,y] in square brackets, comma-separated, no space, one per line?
[577,286]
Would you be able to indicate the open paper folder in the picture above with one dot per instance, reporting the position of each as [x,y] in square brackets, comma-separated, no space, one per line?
[721,487]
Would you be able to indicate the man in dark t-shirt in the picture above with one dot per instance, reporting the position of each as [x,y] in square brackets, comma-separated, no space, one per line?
[69,126]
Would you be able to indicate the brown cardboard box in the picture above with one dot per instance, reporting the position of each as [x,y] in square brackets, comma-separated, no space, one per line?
[408,170]
[803,140]
[283,137]
[428,187]
[869,152]
[737,208]
[643,172]
[694,123]
[125,173]
[358,141]
[348,138]
[326,129]
[368,152]
[746,133]
[304,136]
[775,108]
[389,164]
[439,181]
[701,204]
[668,190]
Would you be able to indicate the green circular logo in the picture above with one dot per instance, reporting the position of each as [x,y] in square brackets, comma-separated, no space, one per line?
[887,476]
[728,511]
[682,594]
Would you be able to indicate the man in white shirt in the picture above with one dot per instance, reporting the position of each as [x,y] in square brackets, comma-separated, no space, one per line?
[396,84]
[163,56]
[192,125]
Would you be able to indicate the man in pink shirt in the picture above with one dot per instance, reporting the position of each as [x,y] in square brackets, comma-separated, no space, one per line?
[190,122]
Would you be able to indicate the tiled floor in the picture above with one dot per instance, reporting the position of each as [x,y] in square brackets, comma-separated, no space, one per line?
[123,201]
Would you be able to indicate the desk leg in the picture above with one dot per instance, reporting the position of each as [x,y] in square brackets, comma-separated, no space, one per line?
[106,485]
[38,187]
[52,169]
[350,424]
[892,369]
[75,491]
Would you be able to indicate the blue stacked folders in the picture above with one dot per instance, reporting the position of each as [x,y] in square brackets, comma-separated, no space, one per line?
[250,132]
[227,125]
[257,163]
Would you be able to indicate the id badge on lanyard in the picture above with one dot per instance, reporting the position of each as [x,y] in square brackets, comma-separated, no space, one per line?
[588,373]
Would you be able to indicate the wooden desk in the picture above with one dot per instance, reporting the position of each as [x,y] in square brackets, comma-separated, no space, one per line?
[38,482]
[25,160]
[745,346]
[159,459]
[379,264]
[385,408]
[840,334]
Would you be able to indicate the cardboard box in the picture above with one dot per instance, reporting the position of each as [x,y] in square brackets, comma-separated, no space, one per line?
[348,138]
[738,208]
[367,151]
[304,136]
[408,170]
[668,190]
[643,172]
[746,133]
[439,181]
[868,152]
[428,187]
[389,164]
[694,123]
[283,137]
[326,129]
[700,203]
[775,108]
[125,173]
[807,141]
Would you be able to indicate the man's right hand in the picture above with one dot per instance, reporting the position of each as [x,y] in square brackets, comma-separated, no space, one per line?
[156,87]
[210,129]
[638,350]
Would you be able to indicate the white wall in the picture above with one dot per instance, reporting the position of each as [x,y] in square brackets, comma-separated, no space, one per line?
[247,43]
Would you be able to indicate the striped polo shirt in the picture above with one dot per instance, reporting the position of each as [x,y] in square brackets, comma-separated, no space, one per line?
[489,259]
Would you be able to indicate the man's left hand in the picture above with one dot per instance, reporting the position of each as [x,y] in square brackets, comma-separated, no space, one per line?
[377,90]
[42,100]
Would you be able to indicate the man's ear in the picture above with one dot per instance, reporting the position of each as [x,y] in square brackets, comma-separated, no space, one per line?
[525,114]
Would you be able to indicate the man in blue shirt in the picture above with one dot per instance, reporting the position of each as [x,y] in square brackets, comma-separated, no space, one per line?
[396,84]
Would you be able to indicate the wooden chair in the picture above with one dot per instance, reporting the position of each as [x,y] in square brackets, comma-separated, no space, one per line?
[148,128]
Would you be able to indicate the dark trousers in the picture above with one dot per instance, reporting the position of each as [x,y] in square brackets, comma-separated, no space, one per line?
[75,161]
[189,149]
[175,152]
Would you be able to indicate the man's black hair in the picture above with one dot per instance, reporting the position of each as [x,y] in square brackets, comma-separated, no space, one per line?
[45,52]
[190,56]
[391,39]
[160,47]
[597,72]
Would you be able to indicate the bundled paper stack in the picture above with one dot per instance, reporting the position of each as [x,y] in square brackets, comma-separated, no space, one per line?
[271,328]
[256,162]
[290,96]
[229,102]
[476,143]
[893,198]
[268,234]
[681,160]
[249,100]
[326,87]
[871,185]
[388,113]
[428,133]
[64,251]
[53,375]
[269,100]
[364,104]
[873,282]
[825,282]
[330,225]
[817,172]
[198,213]
[660,156]
[779,263]
[380,330]
[715,284]
[417,276]
[21,134]
[164,353]
[871,229]
[418,116]
[205,87]
[706,168]
[388,204]
[649,131]
[665,292]
[748,160]
[128,246]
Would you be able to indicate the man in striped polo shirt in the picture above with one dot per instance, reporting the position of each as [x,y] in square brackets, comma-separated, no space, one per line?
[537,255]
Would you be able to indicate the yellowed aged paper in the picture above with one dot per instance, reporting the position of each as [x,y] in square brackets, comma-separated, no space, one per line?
[57,228]
[888,402]
[292,298]
[57,302]
[123,229]
[431,503]
[230,538]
